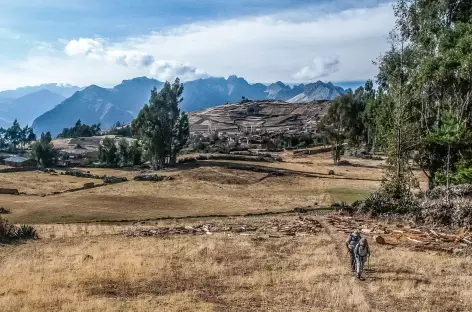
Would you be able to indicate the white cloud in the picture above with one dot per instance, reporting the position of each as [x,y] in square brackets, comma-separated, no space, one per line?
[98,49]
[92,48]
[260,49]
[319,68]
[169,70]
[129,58]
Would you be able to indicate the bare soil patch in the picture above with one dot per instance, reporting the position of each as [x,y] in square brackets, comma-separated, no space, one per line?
[222,175]
[40,183]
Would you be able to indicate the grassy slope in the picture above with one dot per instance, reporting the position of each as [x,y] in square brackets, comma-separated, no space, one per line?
[225,273]
[180,274]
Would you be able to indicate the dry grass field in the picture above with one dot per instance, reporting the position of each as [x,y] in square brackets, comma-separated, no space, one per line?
[178,274]
[39,183]
[223,272]
[93,266]
[193,192]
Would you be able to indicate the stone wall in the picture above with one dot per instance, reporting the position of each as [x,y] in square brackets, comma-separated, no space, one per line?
[8,191]
[17,169]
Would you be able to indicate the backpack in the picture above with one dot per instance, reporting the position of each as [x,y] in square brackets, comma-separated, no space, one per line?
[353,241]
[361,251]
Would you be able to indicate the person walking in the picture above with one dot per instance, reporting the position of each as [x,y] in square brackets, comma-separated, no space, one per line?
[361,253]
[351,244]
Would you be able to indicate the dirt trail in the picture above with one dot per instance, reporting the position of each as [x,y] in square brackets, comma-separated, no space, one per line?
[376,300]
[343,258]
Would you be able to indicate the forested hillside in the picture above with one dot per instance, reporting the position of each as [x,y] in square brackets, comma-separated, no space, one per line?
[420,115]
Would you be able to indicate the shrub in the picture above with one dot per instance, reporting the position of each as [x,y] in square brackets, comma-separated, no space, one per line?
[26,232]
[383,202]
[7,230]
[10,232]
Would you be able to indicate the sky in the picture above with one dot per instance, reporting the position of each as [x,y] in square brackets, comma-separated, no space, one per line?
[84,42]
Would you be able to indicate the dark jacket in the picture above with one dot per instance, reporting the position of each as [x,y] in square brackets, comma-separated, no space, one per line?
[352,241]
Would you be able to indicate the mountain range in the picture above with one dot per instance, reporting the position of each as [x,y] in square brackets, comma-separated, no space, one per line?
[65,90]
[27,103]
[59,106]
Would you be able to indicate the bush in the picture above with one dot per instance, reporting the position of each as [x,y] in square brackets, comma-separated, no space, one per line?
[10,232]
[7,230]
[383,203]
[26,232]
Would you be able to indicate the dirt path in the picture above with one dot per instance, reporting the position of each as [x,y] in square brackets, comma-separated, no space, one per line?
[343,258]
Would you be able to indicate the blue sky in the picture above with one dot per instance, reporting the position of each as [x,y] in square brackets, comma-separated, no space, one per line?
[104,42]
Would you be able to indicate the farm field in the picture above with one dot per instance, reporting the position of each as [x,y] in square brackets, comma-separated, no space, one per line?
[205,190]
[40,183]
[85,260]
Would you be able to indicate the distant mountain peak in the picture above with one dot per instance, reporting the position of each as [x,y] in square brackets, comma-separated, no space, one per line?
[236,79]
[93,87]
[123,102]
[317,91]
[63,89]
[64,85]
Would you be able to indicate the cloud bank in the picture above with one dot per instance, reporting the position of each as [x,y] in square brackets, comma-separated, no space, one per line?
[290,46]
[319,68]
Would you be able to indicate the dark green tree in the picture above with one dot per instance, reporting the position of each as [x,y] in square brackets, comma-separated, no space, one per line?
[108,152]
[43,151]
[123,152]
[13,134]
[80,130]
[46,137]
[136,153]
[161,126]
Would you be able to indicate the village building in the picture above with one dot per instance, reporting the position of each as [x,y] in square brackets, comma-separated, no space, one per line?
[80,151]
[20,162]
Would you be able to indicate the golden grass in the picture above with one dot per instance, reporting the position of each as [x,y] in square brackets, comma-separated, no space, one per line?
[183,197]
[414,281]
[222,273]
[400,279]
[193,192]
[91,267]
[194,273]
[40,183]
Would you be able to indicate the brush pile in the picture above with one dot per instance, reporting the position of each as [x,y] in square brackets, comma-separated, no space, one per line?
[408,235]
[453,209]
[236,157]
[151,177]
[303,226]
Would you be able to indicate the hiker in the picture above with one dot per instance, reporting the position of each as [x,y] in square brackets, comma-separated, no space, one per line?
[351,244]
[361,252]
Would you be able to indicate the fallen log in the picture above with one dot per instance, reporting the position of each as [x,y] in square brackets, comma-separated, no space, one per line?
[414,240]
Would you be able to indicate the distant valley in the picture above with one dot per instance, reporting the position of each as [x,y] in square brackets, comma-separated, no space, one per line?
[55,106]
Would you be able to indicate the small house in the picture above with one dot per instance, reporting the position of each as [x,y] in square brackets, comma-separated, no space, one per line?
[18,162]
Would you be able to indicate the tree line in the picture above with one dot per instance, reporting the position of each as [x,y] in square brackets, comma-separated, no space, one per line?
[15,136]
[80,130]
[420,114]
[120,153]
